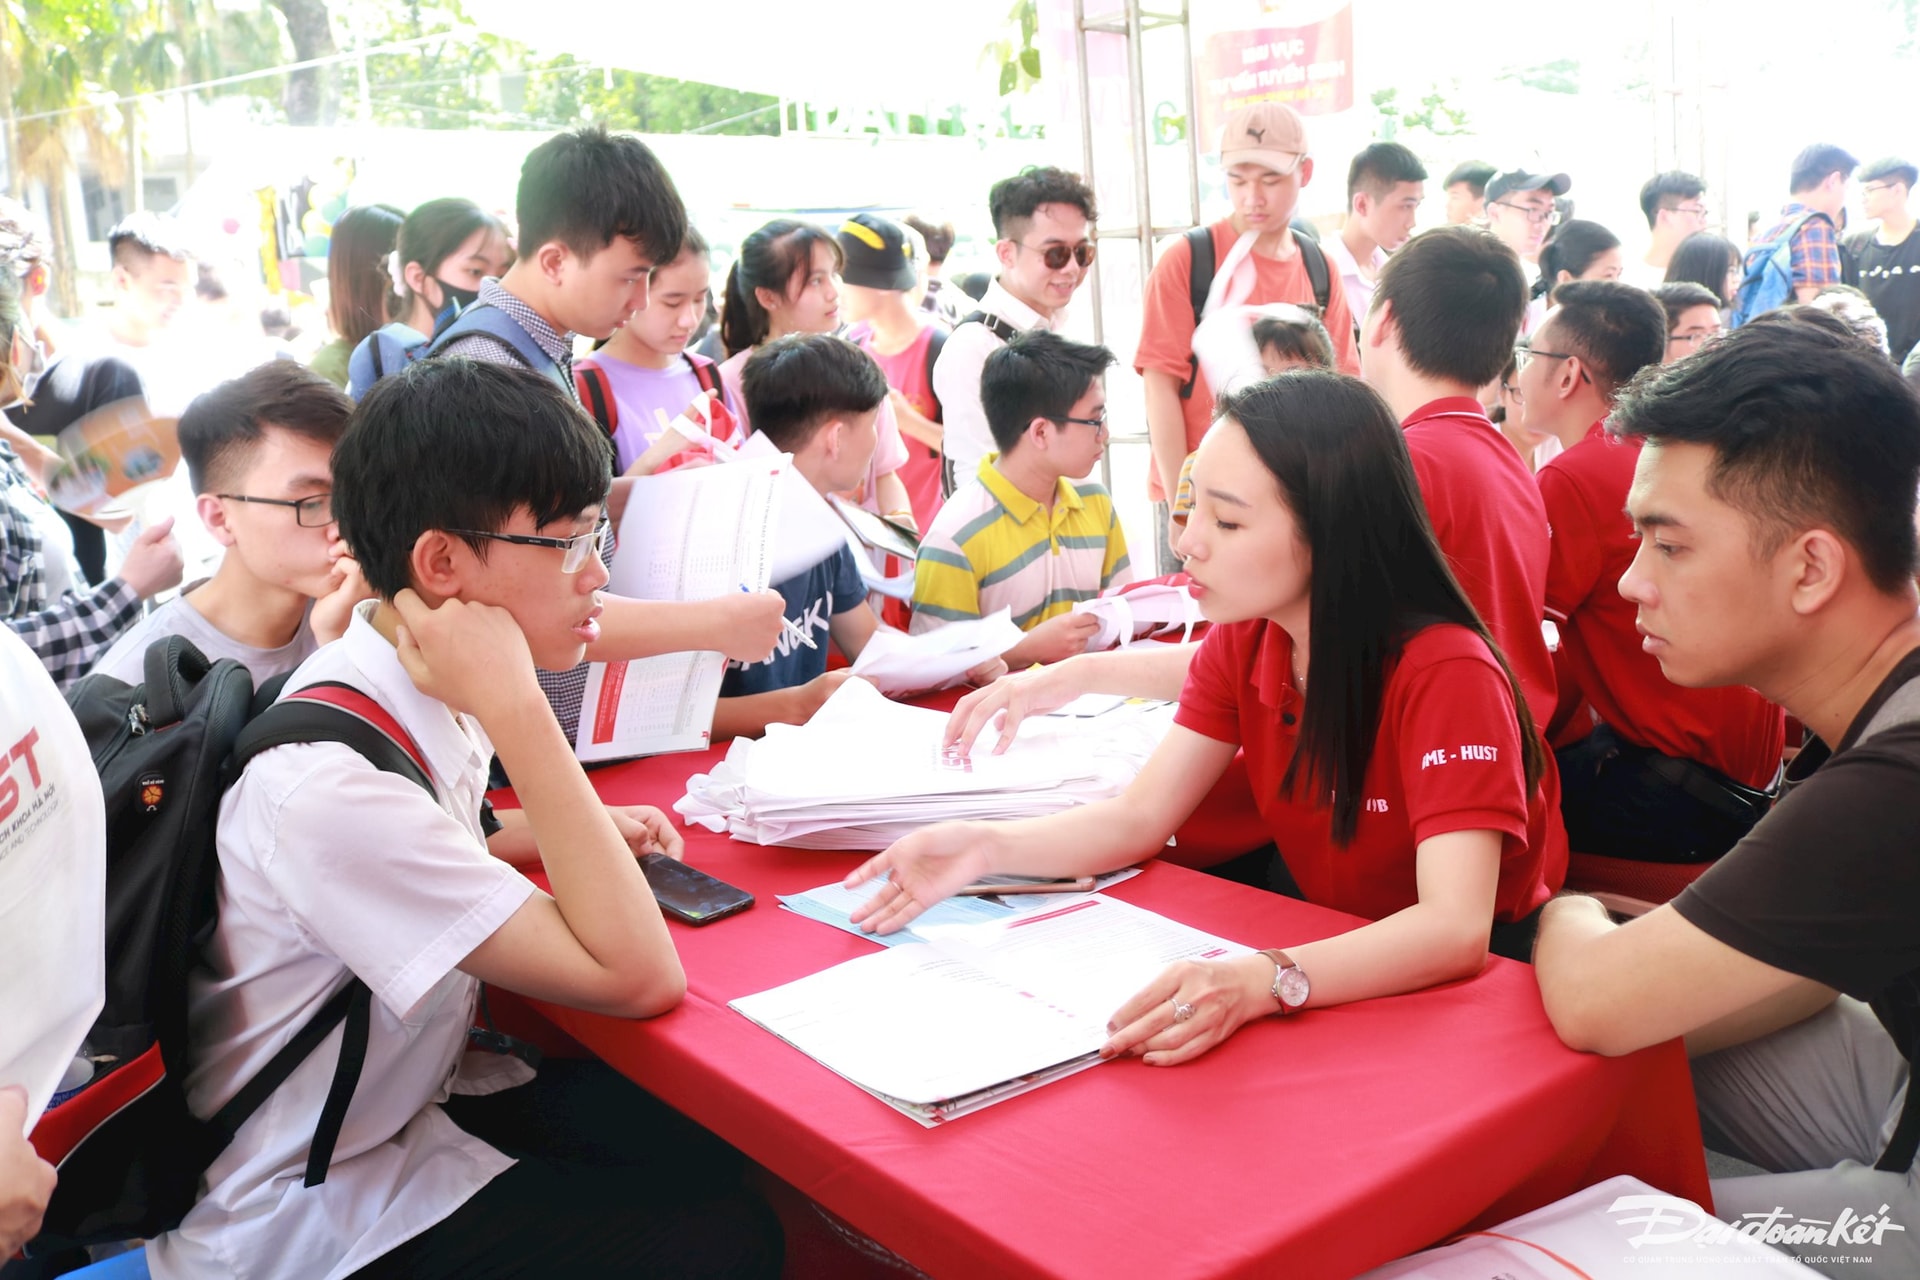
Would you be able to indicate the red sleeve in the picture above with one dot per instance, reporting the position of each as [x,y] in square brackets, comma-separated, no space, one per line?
[1575,559]
[1166,325]
[1430,490]
[1339,321]
[1210,699]
[1458,742]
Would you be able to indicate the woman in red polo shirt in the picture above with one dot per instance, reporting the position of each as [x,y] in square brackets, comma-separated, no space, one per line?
[1386,742]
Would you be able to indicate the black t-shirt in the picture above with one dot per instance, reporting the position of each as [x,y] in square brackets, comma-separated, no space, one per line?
[1828,885]
[74,385]
[1890,276]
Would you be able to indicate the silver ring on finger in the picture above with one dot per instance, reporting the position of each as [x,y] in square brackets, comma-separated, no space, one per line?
[1181,1009]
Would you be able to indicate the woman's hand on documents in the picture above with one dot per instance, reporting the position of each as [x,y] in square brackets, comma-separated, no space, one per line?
[1031,693]
[922,869]
[1221,995]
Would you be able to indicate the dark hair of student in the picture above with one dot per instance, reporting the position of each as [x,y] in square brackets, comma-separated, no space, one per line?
[434,232]
[773,257]
[222,427]
[1679,297]
[13,318]
[1892,169]
[1498,414]
[1458,297]
[1808,426]
[453,443]
[938,235]
[1616,329]
[1704,259]
[144,235]
[586,187]
[1475,173]
[1813,166]
[1304,338]
[1037,375]
[1669,190]
[1340,460]
[1011,202]
[358,286]
[1572,249]
[797,384]
[1376,169]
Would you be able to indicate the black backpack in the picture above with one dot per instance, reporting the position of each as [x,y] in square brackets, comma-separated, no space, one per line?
[1200,281]
[129,1152]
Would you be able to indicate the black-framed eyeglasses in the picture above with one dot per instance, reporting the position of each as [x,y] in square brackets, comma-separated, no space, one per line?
[1098,424]
[309,513]
[1697,210]
[1694,339]
[1525,355]
[1056,256]
[1878,186]
[1551,217]
[579,548]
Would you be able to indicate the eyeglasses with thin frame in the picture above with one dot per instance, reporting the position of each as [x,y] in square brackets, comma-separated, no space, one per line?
[1550,217]
[1525,355]
[1098,424]
[1694,339]
[1056,256]
[579,548]
[1697,210]
[1878,186]
[309,513]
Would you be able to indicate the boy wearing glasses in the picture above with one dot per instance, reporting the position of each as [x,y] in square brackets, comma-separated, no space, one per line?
[1674,203]
[258,451]
[1026,534]
[1044,221]
[1889,255]
[466,490]
[1520,211]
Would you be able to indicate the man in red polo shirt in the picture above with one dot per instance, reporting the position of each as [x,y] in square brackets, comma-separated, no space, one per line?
[1669,774]
[1256,259]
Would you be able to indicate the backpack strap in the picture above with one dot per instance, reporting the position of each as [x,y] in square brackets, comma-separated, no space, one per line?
[998,327]
[488,321]
[596,393]
[935,345]
[1199,285]
[1314,259]
[328,711]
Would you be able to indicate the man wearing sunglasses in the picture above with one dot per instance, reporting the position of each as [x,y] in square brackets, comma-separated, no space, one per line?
[1044,220]
[258,451]
[1520,211]
[1256,259]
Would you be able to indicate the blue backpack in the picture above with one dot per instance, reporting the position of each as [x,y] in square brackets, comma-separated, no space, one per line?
[1766,276]
[393,347]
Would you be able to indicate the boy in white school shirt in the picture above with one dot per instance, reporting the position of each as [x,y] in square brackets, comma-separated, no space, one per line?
[472,497]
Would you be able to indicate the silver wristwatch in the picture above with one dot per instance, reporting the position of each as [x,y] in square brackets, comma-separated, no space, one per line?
[1290,987]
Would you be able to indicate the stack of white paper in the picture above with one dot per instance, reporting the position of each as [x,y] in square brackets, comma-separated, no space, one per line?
[865,771]
[896,663]
[979,1013]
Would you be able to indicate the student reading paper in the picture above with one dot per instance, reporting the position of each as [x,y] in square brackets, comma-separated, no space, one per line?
[472,495]
[1391,754]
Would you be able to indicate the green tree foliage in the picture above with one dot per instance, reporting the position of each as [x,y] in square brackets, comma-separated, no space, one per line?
[565,92]
[1432,114]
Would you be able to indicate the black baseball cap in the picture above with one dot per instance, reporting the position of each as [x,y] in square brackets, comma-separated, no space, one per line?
[1508,180]
[879,254]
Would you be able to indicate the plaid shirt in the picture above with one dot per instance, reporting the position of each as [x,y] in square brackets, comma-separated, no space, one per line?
[67,633]
[565,690]
[1816,247]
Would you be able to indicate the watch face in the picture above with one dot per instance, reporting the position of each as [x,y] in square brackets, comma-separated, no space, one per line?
[1293,987]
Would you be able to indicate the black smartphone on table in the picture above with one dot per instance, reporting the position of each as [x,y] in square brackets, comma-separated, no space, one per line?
[689,894]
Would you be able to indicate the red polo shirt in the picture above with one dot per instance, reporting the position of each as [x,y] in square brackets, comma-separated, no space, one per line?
[1734,729]
[1490,522]
[1447,758]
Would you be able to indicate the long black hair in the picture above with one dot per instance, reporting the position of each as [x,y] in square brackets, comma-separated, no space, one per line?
[1704,259]
[770,258]
[1338,456]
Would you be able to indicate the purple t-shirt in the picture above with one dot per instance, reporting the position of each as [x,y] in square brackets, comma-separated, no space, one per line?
[639,391]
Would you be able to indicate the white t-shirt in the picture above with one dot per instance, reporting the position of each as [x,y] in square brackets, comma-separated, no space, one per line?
[1359,288]
[53,878]
[966,438]
[177,617]
[331,868]
[1636,271]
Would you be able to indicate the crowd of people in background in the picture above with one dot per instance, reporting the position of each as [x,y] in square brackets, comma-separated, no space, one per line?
[1519,537]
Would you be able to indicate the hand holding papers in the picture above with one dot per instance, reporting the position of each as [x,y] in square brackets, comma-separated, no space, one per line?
[899,664]
[982,1012]
[865,771]
[1140,613]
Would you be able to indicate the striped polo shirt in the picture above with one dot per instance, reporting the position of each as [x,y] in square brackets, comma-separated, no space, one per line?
[992,547]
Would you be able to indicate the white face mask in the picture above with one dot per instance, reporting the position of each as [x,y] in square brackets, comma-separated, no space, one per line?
[30,369]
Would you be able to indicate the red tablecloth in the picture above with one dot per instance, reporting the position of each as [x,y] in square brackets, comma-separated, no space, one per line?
[1318,1145]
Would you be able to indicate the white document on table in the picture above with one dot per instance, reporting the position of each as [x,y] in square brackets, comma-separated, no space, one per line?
[897,663]
[1140,613]
[834,904]
[981,1012]
[691,534]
